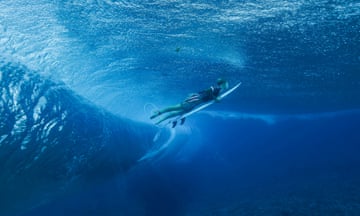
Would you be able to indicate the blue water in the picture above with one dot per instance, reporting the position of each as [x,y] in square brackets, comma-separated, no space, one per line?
[79,79]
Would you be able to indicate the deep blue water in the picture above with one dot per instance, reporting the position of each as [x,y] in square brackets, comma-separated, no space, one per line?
[79,79]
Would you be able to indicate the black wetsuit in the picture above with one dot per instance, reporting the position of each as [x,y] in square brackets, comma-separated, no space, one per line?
[201,97]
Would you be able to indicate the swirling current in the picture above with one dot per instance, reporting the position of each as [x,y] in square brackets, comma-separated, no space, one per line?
[52,139]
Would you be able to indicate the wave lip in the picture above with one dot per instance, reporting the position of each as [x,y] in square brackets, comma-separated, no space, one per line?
[53,141]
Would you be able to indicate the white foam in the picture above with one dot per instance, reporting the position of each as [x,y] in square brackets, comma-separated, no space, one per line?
[274,118]
[39,107]
[269,119]
[159,149]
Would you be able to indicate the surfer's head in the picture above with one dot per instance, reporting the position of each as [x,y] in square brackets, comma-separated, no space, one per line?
[222,83]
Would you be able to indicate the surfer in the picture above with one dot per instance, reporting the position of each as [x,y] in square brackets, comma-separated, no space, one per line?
[192,101]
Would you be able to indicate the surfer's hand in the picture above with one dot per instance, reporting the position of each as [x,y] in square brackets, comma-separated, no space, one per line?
[217,100]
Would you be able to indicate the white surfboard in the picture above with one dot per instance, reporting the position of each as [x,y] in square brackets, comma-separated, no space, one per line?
[174,120]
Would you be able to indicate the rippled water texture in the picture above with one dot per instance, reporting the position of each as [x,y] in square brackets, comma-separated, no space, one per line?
[292,56]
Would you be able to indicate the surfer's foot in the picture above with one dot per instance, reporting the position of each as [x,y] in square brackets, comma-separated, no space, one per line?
[156,114]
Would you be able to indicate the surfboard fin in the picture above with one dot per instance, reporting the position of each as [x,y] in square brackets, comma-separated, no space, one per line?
[174,123]
[182,121]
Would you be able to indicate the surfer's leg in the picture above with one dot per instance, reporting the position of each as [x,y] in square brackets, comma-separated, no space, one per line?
[170,115]
[177,107]
[168,109]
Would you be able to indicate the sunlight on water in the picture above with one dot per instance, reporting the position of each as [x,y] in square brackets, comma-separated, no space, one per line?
[112,52]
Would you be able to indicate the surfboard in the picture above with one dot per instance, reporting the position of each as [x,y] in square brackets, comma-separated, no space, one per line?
[176,119]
